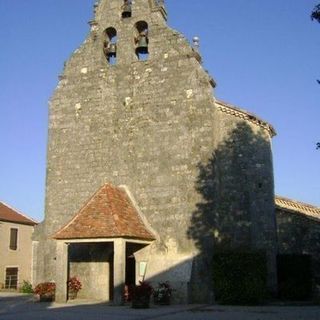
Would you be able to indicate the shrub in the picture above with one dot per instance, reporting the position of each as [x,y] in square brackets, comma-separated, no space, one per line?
[239,277]
[26,287]
[295,277]
[162,294]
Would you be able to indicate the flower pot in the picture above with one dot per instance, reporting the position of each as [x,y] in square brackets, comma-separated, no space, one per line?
[47,297]
[162,300]
[72,294]
[141,302]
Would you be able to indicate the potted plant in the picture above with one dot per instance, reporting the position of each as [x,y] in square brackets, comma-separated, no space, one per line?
[141,295]
[74,285]
[162,295]
[46,291]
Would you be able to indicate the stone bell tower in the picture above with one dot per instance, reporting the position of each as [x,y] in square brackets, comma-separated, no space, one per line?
[134,107]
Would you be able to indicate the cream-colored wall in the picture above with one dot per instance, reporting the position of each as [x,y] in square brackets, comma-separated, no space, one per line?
[20,258]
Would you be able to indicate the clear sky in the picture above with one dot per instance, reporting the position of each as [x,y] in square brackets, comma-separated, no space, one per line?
[264,56]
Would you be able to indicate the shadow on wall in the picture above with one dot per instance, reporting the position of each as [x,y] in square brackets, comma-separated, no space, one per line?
[299,252]
[298,234]
[228,184]
[227,217]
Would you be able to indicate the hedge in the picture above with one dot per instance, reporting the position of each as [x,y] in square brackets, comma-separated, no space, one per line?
[239,277]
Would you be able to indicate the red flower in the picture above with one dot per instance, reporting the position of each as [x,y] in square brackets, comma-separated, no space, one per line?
[45,288]
[74,284]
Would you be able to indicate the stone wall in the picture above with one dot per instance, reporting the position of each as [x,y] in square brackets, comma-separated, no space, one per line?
[154,126]
[91,264]
[299,234]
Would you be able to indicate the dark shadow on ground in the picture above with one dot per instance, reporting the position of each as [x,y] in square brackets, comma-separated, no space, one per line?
[24,308]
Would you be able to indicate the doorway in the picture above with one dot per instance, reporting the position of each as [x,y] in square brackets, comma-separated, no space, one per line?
[130,278]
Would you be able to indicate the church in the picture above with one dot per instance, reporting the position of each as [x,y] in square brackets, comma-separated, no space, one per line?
[148,173]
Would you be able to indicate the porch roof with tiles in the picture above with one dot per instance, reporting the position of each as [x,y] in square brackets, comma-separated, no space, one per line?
[109,213]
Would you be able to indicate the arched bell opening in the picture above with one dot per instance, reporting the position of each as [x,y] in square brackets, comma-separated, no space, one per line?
[110,45]
[142,40]
[126,9]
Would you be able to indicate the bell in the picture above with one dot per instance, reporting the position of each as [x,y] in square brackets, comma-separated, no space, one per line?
[142,46]
[110,50]
[126,10]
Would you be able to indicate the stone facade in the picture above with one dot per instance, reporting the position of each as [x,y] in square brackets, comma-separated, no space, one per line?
[195,166]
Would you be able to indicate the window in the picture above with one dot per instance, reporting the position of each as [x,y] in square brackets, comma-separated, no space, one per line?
[11,278]
[13,239]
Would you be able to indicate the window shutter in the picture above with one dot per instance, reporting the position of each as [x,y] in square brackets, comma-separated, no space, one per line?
[13,239]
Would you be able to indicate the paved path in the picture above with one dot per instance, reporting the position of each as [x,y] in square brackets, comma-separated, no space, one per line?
[16,307]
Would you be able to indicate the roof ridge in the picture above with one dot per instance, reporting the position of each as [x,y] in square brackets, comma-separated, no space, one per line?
[142,217]
[111,205]
[19,212]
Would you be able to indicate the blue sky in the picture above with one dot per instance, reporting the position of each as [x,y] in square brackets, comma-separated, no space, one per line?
[264,56]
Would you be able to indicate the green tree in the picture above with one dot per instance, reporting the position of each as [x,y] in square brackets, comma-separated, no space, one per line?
[315,14]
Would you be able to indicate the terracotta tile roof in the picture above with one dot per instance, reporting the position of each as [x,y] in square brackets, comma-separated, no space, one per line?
[9,214]
[108,214]
[297,207]
[245,115]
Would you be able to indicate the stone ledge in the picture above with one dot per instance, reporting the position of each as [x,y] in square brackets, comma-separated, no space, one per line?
[245,115]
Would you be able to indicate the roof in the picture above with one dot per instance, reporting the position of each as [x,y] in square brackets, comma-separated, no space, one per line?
[108,214]
[9,214]
[245,115]
[297,207]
